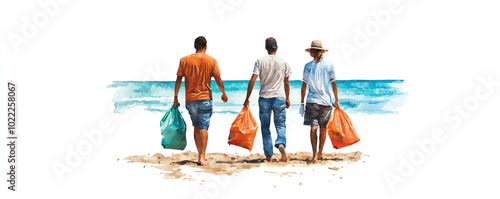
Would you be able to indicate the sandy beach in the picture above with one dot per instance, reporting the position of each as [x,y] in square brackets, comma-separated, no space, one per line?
[224,159]
[224,164]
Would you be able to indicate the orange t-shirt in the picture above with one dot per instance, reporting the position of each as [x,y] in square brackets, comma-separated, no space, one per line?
[198,71]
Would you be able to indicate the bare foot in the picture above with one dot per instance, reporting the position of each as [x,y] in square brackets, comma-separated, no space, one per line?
[283,154]
[269,158]
[201,160]
[320,156]
[314,160]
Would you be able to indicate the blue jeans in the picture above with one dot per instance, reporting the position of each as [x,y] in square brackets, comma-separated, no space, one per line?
[200,112]
[278,106]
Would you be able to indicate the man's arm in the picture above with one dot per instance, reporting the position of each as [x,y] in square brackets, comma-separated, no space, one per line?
[220,84]
[334,87]
[178,82]
[250,88]
[287,92]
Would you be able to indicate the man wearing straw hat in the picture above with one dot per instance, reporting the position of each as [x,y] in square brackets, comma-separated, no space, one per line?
[273,97]
[318,74]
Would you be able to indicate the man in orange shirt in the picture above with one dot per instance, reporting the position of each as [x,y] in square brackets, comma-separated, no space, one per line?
[199,68]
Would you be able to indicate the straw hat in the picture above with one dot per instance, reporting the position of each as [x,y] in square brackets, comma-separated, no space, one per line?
[316,44]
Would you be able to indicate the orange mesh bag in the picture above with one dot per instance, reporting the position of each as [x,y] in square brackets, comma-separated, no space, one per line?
[340,130]
[243,129]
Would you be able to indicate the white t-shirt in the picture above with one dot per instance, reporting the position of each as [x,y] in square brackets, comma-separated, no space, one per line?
[272,71]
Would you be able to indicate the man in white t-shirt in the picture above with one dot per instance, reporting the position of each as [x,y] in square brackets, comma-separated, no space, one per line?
[273,97]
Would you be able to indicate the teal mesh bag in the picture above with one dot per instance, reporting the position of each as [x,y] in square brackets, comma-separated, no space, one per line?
[173,130]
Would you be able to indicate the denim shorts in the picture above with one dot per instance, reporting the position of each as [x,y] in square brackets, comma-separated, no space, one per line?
[200,112]
[317,115]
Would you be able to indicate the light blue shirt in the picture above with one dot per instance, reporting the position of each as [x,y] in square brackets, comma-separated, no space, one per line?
[318,76]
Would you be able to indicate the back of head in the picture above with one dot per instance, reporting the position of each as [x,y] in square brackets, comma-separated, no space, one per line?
[317,55]
[200,43]
[271,45]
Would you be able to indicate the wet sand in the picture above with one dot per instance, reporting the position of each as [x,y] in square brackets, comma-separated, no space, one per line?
[228,164]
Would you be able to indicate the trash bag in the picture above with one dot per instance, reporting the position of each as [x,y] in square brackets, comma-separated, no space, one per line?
[173,130]
[243,129]
[340,130]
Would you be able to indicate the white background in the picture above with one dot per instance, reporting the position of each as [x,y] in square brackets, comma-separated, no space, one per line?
[440,48]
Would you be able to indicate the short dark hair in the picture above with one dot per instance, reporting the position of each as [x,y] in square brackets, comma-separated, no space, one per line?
[271,44]
[200,43]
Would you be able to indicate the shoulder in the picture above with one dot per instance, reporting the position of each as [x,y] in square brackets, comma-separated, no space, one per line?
[264,58]
[206,56]
[309,64]
[326,62]
[280,60]
[185,58]
[210,58]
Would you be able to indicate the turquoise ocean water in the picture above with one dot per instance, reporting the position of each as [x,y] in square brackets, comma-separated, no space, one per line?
[355,96]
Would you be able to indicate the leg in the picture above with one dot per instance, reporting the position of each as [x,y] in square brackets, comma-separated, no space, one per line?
[199,142]
[311,118]
[279,110]
[314,141]
[265,120]
[194,113]
[203,135]
[325,112]
[322,138]
[206,107]
[283,153]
